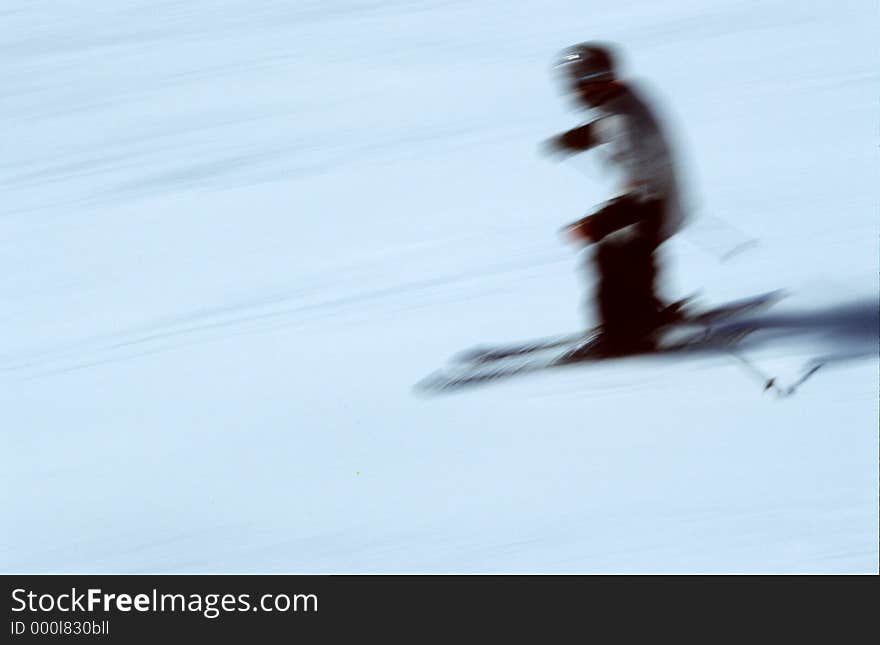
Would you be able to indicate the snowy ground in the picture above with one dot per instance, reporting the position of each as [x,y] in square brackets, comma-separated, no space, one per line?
[234,234]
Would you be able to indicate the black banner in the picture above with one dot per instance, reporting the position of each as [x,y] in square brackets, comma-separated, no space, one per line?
[230,608]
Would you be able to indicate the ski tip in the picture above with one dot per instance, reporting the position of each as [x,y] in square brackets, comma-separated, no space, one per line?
[425,386]
[740,248]
[766,298]
[472,354]
[432,384]
[771,298]
[779,294]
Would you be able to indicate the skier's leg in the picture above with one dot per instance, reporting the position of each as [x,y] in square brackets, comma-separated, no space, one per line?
[626,293]
[627,270]
[643,304]
[610,262]
[655,213]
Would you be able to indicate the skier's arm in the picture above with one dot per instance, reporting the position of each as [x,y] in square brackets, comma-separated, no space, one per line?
[614,217]
[572,141]
[620,213]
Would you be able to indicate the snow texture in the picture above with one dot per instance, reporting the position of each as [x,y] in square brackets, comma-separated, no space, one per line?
[235,233]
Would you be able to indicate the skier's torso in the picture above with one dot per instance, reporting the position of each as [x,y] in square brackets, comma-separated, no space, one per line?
[635,146]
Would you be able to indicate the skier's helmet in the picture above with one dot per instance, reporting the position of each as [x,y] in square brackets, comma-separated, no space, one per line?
[586,63]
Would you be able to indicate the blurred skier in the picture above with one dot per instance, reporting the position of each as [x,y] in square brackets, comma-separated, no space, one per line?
[628,228]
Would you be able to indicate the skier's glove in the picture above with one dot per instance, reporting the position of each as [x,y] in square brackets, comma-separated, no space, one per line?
[581,231]
[570,142]
[555,149]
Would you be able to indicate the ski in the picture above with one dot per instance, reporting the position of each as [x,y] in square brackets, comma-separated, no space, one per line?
[483,354]
[471,374]
[735,309]
[707,318]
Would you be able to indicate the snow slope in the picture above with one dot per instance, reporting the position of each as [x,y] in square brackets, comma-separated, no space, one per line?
[234,234]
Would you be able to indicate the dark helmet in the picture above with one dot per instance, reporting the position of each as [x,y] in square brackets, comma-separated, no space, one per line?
[586,63]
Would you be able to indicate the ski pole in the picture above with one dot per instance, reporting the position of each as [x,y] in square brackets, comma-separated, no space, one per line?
[768,381]
[747,241]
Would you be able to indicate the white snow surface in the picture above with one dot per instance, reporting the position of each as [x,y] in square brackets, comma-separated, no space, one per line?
[235,233]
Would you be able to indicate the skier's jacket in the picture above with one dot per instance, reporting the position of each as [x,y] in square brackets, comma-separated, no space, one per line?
[635,145]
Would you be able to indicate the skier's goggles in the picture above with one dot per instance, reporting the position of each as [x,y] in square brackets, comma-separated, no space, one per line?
[595,77]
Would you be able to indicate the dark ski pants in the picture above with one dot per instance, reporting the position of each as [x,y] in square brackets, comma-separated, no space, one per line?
[627,268]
